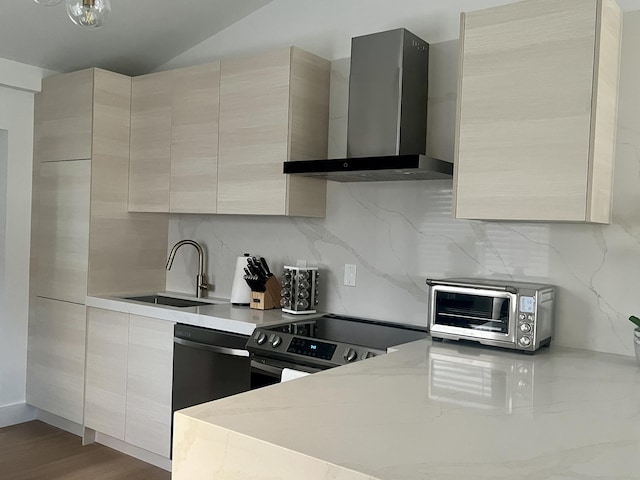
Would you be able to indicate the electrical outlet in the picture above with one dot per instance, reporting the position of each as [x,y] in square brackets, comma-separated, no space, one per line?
[350,275]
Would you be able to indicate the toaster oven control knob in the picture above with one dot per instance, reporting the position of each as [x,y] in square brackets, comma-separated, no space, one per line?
[525,341]
[276,341]
[261,337]
[522,316]
[350,355]
[525,327]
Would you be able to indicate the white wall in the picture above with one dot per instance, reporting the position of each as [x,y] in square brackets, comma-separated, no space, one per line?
[17,83]
[400,233]
[4,160]
[325,27]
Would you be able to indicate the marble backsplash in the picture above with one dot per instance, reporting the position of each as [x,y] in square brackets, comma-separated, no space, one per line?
[400,233]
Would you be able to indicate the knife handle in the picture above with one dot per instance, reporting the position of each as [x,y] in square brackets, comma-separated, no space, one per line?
[263,262]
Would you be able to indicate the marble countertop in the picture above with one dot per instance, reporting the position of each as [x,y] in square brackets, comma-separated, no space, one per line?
[220,316]
[427,411]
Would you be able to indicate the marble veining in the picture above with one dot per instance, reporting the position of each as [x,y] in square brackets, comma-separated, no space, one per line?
[400,233]
[427,411]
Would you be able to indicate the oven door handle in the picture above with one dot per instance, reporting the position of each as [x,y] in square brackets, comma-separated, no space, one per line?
[270,369]
[234,352]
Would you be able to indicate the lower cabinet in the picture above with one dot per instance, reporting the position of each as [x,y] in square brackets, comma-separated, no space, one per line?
[55,359]
[106,376]
[128,378]
[149,377]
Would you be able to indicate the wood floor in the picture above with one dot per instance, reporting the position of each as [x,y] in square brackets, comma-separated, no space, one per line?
[34,451]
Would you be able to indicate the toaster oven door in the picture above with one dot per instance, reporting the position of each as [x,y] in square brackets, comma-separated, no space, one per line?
[473,313]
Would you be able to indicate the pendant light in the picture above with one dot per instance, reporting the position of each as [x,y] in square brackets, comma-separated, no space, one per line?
[88,13]
[48,3]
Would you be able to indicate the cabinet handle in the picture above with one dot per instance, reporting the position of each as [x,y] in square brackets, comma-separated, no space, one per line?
[234,352]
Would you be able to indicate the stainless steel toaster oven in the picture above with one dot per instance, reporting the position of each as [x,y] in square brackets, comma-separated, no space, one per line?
[507,314]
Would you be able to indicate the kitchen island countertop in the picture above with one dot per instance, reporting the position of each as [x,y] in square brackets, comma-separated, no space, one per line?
[427,411]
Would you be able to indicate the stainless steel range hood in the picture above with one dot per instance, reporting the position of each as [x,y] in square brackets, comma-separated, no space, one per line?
[387,124]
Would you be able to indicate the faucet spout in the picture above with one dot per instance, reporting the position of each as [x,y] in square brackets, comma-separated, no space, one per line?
[202,285]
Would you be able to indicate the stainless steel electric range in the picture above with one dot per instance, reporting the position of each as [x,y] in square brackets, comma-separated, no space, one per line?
[315,344]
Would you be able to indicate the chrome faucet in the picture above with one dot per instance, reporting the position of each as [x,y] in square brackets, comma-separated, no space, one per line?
[202,284]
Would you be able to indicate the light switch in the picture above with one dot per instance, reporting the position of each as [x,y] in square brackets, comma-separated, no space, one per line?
[350,275]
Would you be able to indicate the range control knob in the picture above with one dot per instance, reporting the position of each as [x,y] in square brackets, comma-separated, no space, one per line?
[261,337]
[525,327]
[350,355]
[369,355]
[525,341]
[276,341]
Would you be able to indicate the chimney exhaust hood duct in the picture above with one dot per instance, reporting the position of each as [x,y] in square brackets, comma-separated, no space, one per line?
[387,125]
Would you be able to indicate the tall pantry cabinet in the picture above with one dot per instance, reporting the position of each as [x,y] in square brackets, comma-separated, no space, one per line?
[84,241]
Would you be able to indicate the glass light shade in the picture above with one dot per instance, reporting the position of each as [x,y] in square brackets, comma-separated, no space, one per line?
[48,3]
[88,13]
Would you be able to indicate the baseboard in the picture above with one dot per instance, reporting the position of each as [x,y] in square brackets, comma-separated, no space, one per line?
[16,413]
[61,423]
[132,451]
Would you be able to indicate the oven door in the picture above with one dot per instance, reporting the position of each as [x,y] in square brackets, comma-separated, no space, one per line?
[269,370]
[482,314]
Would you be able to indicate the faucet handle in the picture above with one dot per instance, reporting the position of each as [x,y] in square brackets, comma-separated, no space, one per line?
[202,285]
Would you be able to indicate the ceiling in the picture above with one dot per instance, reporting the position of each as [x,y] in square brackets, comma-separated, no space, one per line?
[142,35]
[139,36]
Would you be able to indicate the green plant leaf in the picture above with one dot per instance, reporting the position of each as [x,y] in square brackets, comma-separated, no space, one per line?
[635,320]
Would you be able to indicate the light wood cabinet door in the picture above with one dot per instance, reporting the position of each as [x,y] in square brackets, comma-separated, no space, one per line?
[63,117]
[254,133]
[274,107]
[63,230]
[55,359]
[149,379]
[150,154]
[194,139]
[106,372]
[536,111]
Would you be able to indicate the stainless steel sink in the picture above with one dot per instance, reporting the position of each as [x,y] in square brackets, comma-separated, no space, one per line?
[173,302]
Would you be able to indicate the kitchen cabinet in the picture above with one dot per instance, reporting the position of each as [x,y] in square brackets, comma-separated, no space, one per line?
[150,161]
[274,107]
[106,375]
[63,117]
[55,360]
[85,241]
[149,381]
[536,122]
[174,140]
[129,378]
[86,237]
[63,230]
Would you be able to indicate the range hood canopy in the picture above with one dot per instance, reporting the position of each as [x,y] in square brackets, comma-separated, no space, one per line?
[387,124]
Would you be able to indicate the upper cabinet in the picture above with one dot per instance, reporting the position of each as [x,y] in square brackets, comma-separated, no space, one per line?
[537,101]
[212,138]
[150,151]
[63,123]
[174,140]
[274,107]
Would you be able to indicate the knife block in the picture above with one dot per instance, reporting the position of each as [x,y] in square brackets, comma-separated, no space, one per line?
[268,299]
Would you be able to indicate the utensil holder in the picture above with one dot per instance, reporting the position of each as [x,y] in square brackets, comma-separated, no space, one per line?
[299,290]
[268,299]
